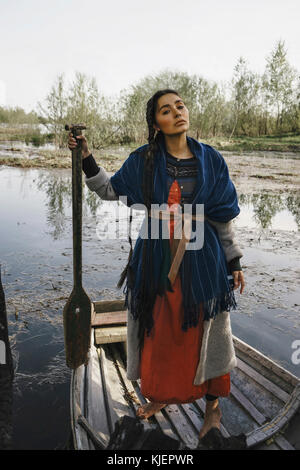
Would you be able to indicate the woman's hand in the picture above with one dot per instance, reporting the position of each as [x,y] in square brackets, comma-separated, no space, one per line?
[72,144]
[238,278]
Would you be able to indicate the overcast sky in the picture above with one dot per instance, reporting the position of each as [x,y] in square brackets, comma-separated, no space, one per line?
[120,41]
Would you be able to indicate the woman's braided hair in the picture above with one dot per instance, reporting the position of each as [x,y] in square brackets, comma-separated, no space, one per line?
[147,294]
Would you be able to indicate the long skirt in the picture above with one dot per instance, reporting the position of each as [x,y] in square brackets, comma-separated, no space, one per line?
[170,356]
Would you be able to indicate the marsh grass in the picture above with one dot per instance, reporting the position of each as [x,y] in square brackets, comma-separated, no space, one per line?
[110,159]
[275,143]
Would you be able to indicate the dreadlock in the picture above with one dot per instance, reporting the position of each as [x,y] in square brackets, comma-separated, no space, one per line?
[147,294]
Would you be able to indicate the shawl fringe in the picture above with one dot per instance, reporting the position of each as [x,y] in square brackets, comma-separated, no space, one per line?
[211,308]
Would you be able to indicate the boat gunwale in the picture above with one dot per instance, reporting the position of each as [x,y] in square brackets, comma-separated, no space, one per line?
[249,350]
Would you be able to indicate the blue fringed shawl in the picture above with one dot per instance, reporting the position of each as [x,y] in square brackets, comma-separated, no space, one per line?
[203,272]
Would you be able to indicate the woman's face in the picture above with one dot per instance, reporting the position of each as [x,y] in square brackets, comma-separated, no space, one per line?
[172,116]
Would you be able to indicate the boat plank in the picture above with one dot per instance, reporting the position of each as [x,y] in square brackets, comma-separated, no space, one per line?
[85,406]
[107,335]
[266,383]
[262,399]
[235,417]
[267,373]
[193,415]
[269,364]
[158,418]
[283,443]
[95,442]
[79,435]
[130,393]
[110,318]
[247,404]
[95,401]
[259,417]
[271,428]
[170,418]
[181,423]
[118,406]
[165,425]
[109,305]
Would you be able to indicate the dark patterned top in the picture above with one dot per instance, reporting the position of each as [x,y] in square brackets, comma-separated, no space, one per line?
[184,171]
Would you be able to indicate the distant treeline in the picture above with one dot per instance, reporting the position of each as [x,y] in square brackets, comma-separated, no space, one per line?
[250,105]
[17,116]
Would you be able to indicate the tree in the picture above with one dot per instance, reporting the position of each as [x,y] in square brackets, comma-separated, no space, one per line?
[134,101]
[207,108]
[97,112]
[245,89]
[17,115]
[55,110]
[203,99]
[278,82]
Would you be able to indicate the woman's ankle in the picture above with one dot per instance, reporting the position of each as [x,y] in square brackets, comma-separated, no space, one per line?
[212,405]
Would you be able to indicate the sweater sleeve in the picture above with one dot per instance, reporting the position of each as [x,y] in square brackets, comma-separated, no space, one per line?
[101,185]
[89,166]
[230,246]
[235,265]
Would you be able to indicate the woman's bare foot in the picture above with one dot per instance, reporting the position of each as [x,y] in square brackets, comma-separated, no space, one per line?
[149,409]
[212,417]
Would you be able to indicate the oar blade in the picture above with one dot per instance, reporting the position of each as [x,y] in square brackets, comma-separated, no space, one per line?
[77,328]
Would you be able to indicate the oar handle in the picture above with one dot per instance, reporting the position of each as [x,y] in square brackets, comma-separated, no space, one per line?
[76,130]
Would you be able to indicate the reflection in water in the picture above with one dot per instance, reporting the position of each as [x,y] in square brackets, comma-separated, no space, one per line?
[58,190]
[266,206]
[91,202]
[293,205]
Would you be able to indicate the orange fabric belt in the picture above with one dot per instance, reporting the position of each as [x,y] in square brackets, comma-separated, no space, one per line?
[178,246]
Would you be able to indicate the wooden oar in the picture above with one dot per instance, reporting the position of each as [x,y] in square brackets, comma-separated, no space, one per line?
[77,311]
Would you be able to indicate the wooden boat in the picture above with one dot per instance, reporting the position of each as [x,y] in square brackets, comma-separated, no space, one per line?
[264,402]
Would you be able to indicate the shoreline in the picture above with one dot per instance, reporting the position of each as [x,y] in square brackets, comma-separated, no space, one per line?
[110,162]
[18,150]
[251,172]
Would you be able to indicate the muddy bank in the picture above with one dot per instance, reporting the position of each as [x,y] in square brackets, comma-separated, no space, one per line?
[268,172]
[271,264]
[17,154]
[269,166]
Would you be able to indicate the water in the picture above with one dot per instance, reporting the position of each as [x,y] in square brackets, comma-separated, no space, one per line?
[36,259]
[17,149]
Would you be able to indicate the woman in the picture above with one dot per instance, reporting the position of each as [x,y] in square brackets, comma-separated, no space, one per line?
[179,340]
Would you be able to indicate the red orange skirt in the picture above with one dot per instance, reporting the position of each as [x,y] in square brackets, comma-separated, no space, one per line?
[170,356]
